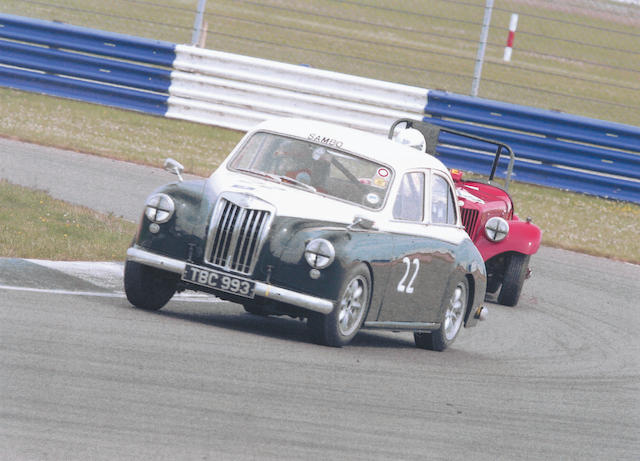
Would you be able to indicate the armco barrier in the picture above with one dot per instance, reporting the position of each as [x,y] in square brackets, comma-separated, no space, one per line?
[212,87]
[237,91]
[80,63]
[554,149]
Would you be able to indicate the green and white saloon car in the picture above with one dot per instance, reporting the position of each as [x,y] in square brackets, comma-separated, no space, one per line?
[344,229]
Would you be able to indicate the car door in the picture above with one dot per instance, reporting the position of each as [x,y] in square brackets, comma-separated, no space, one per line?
[425,243]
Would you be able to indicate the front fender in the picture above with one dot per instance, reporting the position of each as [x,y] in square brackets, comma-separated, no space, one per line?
[524,237]
[285,255]
[187,226]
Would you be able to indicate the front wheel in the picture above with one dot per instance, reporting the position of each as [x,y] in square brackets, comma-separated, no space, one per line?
[148,288]
[514,276]
[339,327]
[452,319]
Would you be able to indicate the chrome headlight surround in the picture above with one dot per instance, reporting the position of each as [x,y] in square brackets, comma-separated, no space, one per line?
[496,229]
[319,253]
[159,208]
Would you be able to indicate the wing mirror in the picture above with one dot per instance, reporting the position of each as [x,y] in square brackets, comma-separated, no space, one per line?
[175,167]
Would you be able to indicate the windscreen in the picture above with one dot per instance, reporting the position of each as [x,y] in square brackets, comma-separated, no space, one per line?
[314,167]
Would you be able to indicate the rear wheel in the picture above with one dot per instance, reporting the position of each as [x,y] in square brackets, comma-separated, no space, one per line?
[452,319]
[514,276]
[148,288]
[339,327]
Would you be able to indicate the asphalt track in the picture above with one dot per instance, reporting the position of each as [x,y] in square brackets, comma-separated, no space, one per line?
[85,376]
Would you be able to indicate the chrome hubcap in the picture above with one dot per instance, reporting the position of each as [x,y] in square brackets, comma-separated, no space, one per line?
[455,312]
[352,306]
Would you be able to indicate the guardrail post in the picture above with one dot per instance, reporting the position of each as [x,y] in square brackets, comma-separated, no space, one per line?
[481,48]
[197,23]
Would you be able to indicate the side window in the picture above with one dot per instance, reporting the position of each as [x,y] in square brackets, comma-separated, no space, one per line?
[409,204]
[443,210]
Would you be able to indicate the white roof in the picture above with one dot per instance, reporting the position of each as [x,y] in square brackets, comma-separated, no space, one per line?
[369,145]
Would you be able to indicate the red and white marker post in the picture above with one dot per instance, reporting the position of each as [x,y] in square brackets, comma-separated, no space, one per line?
[513,24]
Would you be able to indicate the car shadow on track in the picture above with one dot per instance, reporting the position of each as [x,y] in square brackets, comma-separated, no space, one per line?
[275,327]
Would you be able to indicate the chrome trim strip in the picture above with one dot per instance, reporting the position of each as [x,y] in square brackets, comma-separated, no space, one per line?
[312,303]
[320,305]
[147,258]
[401,326]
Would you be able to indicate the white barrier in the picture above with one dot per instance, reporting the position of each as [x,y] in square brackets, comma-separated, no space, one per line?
[237,92]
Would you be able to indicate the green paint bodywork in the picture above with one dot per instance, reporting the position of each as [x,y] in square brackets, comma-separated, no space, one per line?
[281,260]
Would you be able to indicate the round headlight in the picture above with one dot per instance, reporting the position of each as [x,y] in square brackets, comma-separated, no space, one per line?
[319,253]
[159,208]
[496,229]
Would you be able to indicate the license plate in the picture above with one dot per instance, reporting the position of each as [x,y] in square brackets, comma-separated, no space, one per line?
[219,280]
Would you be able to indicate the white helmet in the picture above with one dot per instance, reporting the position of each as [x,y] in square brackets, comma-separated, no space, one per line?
[412,138]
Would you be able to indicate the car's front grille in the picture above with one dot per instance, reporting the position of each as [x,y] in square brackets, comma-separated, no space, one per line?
[469,220]
[235,236]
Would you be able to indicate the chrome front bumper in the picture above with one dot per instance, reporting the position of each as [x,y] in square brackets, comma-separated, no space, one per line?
[312,303]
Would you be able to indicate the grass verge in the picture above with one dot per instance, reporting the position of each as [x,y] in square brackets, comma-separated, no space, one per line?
[34,225]
[581,223]
[113,133]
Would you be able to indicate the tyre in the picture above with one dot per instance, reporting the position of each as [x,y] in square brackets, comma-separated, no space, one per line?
[339,327]
[451,323]
[514,276]
[148,288]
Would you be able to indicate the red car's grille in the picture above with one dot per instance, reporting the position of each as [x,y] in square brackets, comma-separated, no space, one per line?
[235,237]
[470,220]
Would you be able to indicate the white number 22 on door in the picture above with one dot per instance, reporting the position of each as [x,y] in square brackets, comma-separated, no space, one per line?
[408,288]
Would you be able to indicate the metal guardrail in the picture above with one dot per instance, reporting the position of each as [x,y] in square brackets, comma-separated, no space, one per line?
[90,65]
[551,148]
[179,81]
[239,91]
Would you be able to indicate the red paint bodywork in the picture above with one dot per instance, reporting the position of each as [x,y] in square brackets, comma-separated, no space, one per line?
[481,201]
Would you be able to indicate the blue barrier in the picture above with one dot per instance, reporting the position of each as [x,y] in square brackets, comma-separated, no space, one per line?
[552,149]
[65,87]
[85,64]
[60,35]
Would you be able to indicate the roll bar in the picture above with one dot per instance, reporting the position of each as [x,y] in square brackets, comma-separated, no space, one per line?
[431,133]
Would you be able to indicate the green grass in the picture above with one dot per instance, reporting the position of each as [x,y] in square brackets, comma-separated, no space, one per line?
[34,225]
[582,223]
[113,133]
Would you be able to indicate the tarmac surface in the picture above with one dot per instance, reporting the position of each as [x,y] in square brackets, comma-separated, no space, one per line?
[86,376]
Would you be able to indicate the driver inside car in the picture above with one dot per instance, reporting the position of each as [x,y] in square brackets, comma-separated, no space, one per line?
[296,160]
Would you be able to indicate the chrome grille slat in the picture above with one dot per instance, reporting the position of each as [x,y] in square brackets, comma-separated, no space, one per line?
[223,234]
[245,250]
[239,238]
[235,236]
[259,220]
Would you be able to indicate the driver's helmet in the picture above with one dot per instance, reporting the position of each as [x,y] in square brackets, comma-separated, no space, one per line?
[412,138]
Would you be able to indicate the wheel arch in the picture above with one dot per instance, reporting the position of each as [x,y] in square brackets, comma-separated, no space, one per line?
[372,284]
[524,237]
